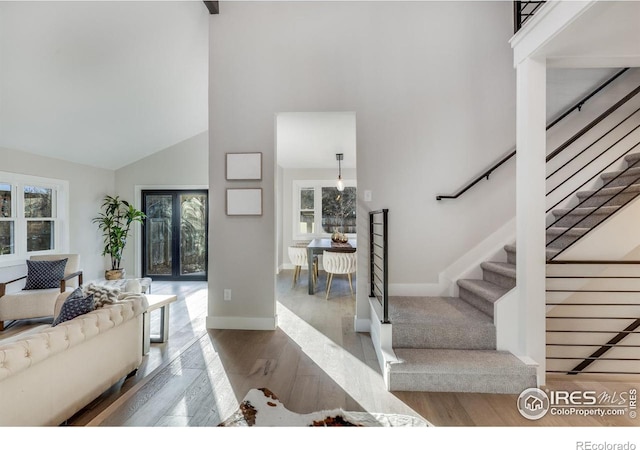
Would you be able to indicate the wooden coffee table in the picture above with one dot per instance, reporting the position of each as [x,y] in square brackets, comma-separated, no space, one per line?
[162,303]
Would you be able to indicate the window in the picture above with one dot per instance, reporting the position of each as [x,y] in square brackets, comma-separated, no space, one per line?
[320,209]
[7,245]
[32,216]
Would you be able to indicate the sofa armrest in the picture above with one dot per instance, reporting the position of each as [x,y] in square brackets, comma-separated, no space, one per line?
[63,282]
[3,286]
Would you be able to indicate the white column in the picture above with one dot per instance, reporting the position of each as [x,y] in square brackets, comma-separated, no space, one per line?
[530,208]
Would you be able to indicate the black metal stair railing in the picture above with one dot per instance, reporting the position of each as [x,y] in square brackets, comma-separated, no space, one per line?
[623,188]
[575,323]
[379,259]
[523,11]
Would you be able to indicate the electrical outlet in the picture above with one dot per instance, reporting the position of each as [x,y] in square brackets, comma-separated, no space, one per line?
[227,295]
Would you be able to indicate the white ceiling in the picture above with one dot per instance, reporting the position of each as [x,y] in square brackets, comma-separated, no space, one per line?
[312,139]
[102,83]
[590,41]
[108,83]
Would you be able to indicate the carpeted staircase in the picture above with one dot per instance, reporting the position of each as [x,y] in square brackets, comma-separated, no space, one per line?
[448,344]
[573,224]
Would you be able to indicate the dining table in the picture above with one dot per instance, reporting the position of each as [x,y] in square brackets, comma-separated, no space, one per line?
[319,245]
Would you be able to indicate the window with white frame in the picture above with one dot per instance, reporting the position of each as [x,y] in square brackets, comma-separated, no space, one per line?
[33,216]
[319,209]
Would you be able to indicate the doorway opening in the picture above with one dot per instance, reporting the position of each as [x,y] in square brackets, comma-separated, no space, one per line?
[175,234]
[316,193]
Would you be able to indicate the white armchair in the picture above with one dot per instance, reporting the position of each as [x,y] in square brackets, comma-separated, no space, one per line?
[36,303]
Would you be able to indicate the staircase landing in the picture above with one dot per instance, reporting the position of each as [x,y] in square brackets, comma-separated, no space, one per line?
[439,322]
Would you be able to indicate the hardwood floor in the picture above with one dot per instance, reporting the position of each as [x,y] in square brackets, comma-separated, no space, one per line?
[313,361]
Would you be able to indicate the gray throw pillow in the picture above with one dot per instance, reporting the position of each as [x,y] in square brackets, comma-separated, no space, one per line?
[75,305]
[44,274]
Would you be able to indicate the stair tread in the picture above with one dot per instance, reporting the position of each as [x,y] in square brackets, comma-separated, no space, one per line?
[585,210]
[510,248]
[435,310]
[634,188]
[485,289]
[635,171]
[457,361]
[566,231]
[632,157]
[503,268]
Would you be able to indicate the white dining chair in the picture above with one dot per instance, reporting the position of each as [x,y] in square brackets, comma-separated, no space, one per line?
[338,263]
[298,257]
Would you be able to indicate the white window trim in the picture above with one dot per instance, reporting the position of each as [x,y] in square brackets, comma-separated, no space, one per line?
[60,216]
[317,205]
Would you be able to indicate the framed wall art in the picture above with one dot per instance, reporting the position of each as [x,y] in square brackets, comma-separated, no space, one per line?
[244,166]
[244,202]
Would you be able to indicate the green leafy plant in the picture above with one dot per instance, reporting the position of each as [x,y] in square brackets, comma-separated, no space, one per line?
[115,222]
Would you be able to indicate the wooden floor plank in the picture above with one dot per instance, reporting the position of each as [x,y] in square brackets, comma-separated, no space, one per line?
[156,406]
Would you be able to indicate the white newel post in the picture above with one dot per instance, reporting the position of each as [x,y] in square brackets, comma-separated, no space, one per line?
[530,208]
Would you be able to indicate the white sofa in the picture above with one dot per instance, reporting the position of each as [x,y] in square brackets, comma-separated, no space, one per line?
[51,373]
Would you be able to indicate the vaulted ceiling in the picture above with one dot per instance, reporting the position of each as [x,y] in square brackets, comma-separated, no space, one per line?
[102,83]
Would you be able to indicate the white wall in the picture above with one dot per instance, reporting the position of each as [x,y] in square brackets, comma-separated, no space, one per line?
[184,164]
[566,87]
[87,187]
[433,88]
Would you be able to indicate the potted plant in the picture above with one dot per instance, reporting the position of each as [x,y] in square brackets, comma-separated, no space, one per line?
[115,222]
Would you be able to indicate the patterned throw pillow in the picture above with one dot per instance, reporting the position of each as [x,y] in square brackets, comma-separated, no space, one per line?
[102,295]
[75,305]
[44,274]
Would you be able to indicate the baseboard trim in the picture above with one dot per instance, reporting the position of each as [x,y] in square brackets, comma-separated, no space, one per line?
[242,323]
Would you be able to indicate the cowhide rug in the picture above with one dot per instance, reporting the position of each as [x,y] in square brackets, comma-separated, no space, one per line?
[261,408]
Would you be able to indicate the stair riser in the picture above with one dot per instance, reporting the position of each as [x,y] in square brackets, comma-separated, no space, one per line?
[499,279]
[476,301]
[455,382]
[480,338]
[511,257]
[608,200]
[572,219]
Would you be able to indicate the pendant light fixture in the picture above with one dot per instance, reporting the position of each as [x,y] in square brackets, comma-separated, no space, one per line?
[340,183]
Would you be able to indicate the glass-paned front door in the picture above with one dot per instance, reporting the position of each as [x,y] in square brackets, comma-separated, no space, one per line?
[175,234]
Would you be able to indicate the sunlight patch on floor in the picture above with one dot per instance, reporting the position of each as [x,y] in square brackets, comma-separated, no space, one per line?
[357,382]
